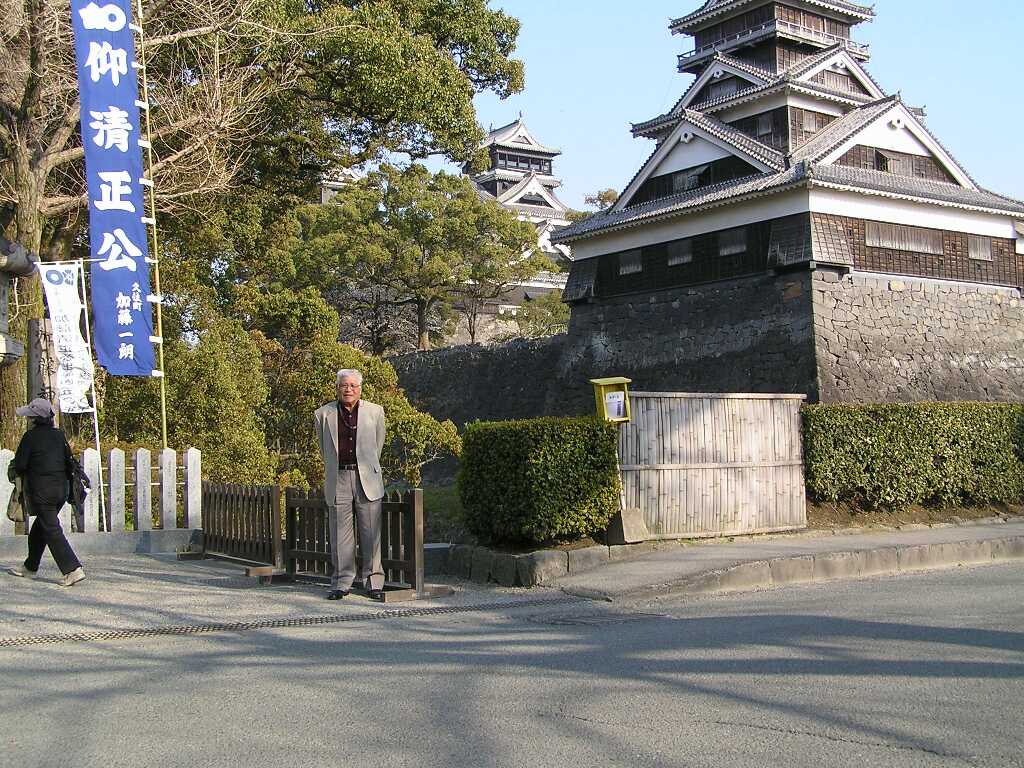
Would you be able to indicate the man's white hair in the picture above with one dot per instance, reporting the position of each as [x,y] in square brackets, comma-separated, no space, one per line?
[349,373]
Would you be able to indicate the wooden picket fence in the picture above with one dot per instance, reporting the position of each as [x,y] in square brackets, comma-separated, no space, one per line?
[150,493]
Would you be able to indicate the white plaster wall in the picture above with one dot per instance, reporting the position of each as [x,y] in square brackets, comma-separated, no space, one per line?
[682,156]
[876,208]
[688,225]
[883,136]
[740,111]
[817,105]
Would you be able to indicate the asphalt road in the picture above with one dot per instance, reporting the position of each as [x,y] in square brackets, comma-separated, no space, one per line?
[920,670]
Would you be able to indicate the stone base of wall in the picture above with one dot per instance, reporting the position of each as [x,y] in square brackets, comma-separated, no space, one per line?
[882,338]
[835,337]
[14,548]
[747,335]
[490,383]
[750,334]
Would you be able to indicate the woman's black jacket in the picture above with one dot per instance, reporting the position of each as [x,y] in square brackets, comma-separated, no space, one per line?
[43,458]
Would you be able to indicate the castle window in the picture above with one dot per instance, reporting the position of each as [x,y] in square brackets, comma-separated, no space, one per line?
[680,252]
[732,241]
[894,162]
[979,247]
[764,125]
[897,237]
[724,88]
[631,262]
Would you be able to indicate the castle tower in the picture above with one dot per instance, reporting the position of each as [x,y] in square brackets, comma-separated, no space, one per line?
[796,229]
[521,178]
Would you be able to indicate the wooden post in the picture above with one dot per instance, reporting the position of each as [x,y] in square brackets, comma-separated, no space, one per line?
[168,489]
[416,503]
[115,496]
[143,490]
[275,526]
[193,489]
[289,532]
[91,465]
[6,489]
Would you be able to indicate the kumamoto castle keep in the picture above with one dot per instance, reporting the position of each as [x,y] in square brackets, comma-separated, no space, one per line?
[796,228]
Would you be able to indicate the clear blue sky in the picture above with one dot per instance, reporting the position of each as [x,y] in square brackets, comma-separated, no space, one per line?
[594,66]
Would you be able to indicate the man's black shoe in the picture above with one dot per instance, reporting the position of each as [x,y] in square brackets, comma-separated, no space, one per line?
[376,594]
[337,594]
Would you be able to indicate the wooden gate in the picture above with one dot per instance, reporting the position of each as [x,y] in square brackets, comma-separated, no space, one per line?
[243,523]
[702,465]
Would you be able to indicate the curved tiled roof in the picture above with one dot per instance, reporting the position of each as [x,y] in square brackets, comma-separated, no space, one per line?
[860,179]
[907,186]
[713,8]
[766,154]
[835,133]
[715,194]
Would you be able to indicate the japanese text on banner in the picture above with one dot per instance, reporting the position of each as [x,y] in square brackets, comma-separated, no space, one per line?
[108,92]
[74,360]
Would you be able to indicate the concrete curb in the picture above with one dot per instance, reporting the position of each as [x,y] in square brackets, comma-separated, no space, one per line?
[115,543]
[829,566]
[537,568]
[527,570]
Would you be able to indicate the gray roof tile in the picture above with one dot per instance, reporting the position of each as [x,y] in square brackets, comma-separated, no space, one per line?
[907,186]
[712,7]
[680,203]
[841,129]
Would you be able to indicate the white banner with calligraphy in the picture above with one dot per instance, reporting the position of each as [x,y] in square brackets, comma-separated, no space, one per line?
[74,359]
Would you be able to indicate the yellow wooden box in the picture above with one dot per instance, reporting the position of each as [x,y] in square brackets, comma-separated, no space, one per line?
[612,398]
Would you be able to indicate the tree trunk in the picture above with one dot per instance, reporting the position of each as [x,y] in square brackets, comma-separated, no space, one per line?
[471,319]
[28,231]
[421,325]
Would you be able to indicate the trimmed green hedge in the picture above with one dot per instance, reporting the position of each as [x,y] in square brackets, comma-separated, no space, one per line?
[527,482]
[892,456]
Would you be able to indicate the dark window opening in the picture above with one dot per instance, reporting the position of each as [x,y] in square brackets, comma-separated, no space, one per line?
[666,185]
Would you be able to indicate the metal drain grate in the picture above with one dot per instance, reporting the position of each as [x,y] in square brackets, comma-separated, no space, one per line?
[245,626]
[599,619]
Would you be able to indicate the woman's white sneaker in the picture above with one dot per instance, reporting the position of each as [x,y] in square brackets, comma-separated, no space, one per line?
[72,578]
[22,573]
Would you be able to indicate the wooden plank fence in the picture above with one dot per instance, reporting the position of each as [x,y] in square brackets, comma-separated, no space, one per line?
[702,465]
[307,549]
[243,523]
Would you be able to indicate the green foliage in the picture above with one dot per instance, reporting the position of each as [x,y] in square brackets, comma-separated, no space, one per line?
[893,456]
[212,403]
[409,238]
[303,379]
[528,482]
[545,315]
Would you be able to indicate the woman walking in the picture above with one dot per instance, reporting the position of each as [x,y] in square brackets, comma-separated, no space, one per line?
[42,461]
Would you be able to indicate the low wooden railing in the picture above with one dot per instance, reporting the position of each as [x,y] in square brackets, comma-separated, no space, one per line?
[243,522]
[307,549]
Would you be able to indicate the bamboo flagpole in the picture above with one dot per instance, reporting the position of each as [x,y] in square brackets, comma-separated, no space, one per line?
[154,259]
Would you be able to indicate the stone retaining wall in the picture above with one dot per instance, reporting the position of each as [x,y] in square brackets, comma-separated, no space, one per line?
[880,338]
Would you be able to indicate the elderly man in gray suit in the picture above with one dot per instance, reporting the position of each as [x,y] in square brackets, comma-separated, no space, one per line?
[351,435]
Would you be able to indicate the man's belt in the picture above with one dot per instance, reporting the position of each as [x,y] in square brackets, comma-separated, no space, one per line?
[348,466]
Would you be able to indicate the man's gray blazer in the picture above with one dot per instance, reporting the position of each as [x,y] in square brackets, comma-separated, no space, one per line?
[369,444]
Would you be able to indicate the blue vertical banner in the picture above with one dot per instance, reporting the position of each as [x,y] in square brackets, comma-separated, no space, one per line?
[108,92]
